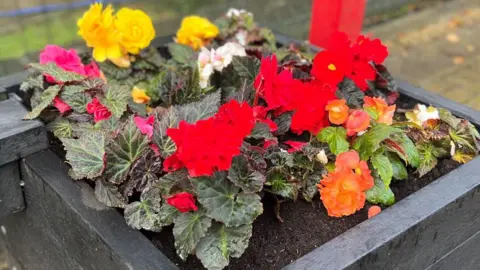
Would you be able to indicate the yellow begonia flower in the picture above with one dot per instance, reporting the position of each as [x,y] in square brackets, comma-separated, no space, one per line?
[123,62]
[139,96]
[97,28]
[196,31]
[136,29]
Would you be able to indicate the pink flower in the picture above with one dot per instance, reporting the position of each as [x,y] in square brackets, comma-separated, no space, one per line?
[155,149]
[99,111]
[61,105]
[92,70]
[295,146]
[145,125]
[66,59]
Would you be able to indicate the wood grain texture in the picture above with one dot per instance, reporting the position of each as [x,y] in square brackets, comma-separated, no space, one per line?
[19,138]
[11,194]
[58,231]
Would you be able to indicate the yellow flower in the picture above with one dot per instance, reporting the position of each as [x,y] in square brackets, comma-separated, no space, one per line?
[97,28]
[122,62]
[136,29]
[139,96]
[196,31]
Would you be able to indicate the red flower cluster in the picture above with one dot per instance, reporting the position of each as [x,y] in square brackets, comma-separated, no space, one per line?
[183,201]
[99,111]
[340,59]
[61,105]
[212,143]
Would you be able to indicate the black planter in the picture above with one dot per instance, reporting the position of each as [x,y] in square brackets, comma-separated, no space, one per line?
[64,227]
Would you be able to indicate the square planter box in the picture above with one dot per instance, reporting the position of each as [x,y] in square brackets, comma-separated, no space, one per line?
[64,227]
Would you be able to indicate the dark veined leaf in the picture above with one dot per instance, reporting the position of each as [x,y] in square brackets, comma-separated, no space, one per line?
[349,91]
[78,101]
[73,89]
[428,160]
[61,128]
[143,214]
[380,194]
[189,228]
[369,142]
[447,117]
[401,144]
[309,189]
[244,176]
[111,71]
[383,166]
[172,182]
[221,243]
[167,120]
[116,99]
[336,138]
[86,155]
[261,131]
[143,173]
[225,202]
[280,158]
[45,99]
[277,181]
[247,67]
[123,151]
[58,73]
[398,167]
[182,54]
[109,195]
[284,121]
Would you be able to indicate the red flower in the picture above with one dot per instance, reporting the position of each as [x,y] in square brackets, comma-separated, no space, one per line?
[295,146]
[361,72]
[370,50]
[183,201]
[270,142]
[260,115]
[155,149]
[330,67]
[237,117]
[99,111]
[145,125]
[61,105]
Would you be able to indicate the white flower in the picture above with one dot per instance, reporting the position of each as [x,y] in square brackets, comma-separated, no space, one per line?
[452,148]
[233,12]
[222,57]
[322,157]
[203,57]
[421,114]
[241,37]
[205,74]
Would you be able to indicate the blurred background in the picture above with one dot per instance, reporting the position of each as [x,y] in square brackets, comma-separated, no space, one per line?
[433,43]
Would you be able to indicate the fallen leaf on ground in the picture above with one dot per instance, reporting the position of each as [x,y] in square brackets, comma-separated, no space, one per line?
[470,48]
[453,38]
[458,60]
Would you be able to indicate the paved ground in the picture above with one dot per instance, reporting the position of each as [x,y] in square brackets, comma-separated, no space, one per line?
[438,49]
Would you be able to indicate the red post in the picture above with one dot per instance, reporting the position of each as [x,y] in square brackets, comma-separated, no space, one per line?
[330,16]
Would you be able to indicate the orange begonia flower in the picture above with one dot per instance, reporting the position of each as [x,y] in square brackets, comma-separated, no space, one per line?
[350,160]
[381,108]
[373,211]
[139,96]
[341,194]
[337,111]
[357,121]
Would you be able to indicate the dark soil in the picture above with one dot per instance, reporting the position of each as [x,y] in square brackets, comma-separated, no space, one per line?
[306,226]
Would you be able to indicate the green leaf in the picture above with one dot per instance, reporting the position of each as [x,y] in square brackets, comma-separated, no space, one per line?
[372,112]
[380,194]
[246,67]
[116,99]
[194,111]
[144,214]
[261,131]
[69,90]
[349,91]
[61,128]
[336,138]
[46,99]
[369,142]
[447,117]
[428,160]
[188,230]
[402,145]
[244,176]
[85,155]
[399,170]
[143,173]
[280,158]
[284,121]
[174,181]
[221,243]
[277,180]
[78,101]
[123,151]
[165,144]
[31,82]
[224,201]
[309,189]
[180,53]
[384,168]
[109,195]
[167,215]
[111,71]
[58,73]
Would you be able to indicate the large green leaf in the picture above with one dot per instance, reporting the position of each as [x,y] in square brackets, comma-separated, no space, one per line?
[46,99]
[428,160]
[380,194]
[116,99]
[73,89]
[244,176]
[61,128]
[401,144]
[165,144]
[277,181]
[309,189]
[188,230]
[182,54]
[399,170]
[447,117]
[109,195]
[85,155]
[143,173]
[369,142]
[58,73]
[221,243]
[123,151]
[143,214]
[336,138]
[174,181]
[78,101]
[261,131]
[204,108]
[383,166]
[246,67]
[224,202]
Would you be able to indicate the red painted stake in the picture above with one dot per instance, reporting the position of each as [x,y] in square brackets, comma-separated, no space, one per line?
[330,16]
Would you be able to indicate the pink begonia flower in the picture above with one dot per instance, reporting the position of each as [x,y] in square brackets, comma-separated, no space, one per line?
[61,105]
[145,125]
[68,60]
[295,146]
[155,149]
[99,111]
[92,70]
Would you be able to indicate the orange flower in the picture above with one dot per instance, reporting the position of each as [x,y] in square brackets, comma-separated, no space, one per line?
[381,108]
[337,111]
[350,161]
[373,211]
[341,194]
[357,121]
